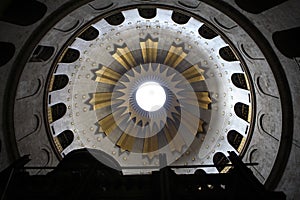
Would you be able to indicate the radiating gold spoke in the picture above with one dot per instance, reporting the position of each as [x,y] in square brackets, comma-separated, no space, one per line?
[128,137]
[101,100]
[203,99]
[150,144]
[200,126]
[126,141]
[149,50]
[175,56]
[194,74]
[108,124]
[125,58]
[107,75]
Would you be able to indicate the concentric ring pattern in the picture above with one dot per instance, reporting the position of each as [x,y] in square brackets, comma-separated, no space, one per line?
[91,98]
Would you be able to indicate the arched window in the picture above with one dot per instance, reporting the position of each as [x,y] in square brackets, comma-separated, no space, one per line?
[70,56]
[57,111]
[65,138]
[239,80]
[242,111]
[234,138]
[220,160]
[60,81]
[206,32]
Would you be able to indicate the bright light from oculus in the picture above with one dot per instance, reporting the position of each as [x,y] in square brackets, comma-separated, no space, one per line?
[150,96]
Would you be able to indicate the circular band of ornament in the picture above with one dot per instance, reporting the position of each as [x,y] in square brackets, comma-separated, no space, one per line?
[199,75]
[164,131]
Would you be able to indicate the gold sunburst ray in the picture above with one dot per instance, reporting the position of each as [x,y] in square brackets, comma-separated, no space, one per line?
[123,55]
[194,74]
[175,56]
[200,126]
[101,100]
[110,122]
[107,75]
[150,144]
[149,48]
[203,99]
[126,140]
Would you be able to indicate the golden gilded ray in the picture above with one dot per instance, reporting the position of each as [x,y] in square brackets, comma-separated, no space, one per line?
[200,126]
[150,144]
[108,124]
[203,99]
[175,56]
[125,58]
[149,50]
[126,141]
[107,75]
[193,74]
[101,100]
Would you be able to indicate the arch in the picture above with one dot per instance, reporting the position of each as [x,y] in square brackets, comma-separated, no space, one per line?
[234,138]
[207,32]
[220,160]
[71,55]
[227,54]
[115,19]
[65,138]
[89,34]
[242,111]
[239,80]
[180,18]
[58,111]
[60,81]
[147,13]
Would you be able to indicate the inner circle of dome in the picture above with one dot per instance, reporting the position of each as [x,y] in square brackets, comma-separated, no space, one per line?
[150,96]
